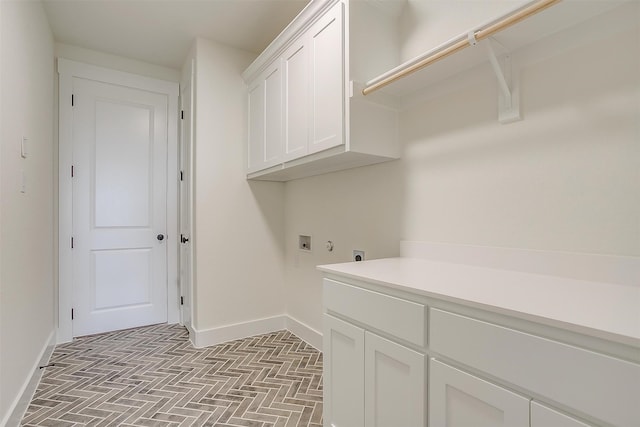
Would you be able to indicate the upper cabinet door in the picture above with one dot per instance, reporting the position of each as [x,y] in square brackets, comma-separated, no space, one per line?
[255,155]
[327,80]
[273,115]
[295,68]
[265,120]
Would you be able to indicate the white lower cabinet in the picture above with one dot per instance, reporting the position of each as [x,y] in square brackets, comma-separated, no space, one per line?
[394,384]
[459,399]
[541,416]
[369,380]
[343,373]
[481,372]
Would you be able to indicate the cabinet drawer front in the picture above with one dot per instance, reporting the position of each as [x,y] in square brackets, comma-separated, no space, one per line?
[602,386]
[395,316]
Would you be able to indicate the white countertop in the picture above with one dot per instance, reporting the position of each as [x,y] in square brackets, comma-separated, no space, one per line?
[605,310]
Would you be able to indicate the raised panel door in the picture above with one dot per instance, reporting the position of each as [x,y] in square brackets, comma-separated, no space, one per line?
[119,207]
[394,384]
[273,115]
[295,68]
[265,120]
[326,44]
[343,346]
[256,137]
[459,399]
[542,416]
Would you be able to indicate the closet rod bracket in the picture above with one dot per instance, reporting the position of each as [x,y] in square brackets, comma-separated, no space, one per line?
[508,84]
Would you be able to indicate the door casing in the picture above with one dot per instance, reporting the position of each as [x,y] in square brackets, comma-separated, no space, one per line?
[67,70]
[186,165]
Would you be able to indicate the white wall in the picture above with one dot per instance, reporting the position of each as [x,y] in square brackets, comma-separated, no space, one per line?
[426,24]
[238,241]
[565,178]
[355,209]
[116,62]
[26,226]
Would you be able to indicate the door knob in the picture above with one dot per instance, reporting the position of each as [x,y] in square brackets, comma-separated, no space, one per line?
[183,239]
[160,237]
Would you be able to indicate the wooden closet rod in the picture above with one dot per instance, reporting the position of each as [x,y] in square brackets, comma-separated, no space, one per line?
[449,50]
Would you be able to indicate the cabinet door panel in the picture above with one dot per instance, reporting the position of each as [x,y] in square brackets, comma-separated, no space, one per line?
[541,416]
[327,80]
[296,99]
[554,369]
[343,346]
[273,115]
[459,399]
[265,120]
[394,384]
[255,153]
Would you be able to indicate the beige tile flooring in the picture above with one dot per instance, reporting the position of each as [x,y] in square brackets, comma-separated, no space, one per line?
[152,376]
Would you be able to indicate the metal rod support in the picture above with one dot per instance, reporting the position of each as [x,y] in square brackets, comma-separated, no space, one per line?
[479,35]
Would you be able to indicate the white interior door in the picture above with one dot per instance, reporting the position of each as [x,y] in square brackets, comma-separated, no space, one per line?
[119,138]
[185,204]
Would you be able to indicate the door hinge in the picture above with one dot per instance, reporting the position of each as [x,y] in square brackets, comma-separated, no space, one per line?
[181,176]
[182,114]
[72,314]
[72,171]
[181,300]
[72,243]
[72,100]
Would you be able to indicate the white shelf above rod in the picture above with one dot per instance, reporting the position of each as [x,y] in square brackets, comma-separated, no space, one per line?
[449,49]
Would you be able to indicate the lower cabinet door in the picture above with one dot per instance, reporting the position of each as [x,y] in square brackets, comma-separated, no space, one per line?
[394,384]
[541,416]
[343,359]
[459,399]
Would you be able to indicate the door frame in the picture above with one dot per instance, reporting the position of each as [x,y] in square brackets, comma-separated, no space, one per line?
[67,70]
[187,85]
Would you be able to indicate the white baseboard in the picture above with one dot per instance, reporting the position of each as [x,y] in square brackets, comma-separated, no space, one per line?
[192,333]
[304,332]
[21,403]
[214,336]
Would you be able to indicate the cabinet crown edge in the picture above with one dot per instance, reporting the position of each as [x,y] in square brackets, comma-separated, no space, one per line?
[311,12]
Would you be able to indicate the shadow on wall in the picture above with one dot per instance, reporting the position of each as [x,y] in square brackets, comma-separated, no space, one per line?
[358,208]
[269,199]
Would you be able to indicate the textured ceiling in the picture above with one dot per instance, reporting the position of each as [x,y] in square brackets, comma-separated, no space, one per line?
[162,31]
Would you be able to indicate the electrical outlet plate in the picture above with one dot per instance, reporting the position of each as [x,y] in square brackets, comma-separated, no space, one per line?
[358,255]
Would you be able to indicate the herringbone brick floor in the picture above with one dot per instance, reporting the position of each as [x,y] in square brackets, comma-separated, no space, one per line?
[152,376]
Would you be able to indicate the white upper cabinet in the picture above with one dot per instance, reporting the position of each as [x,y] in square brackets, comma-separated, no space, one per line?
[326,47]
[255,153]
[325,125]
[265,119]
[296,99]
